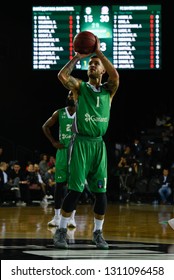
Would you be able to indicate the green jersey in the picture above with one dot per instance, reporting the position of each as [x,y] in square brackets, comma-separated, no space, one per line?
[65,133]
[92,111]
[65,125]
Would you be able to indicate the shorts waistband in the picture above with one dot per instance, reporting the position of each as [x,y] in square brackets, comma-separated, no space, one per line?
[89,138]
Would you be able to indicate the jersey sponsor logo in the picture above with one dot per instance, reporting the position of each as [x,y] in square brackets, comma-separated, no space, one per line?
[89,118]
[65,136]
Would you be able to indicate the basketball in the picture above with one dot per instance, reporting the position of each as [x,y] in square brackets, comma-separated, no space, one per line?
[84,42]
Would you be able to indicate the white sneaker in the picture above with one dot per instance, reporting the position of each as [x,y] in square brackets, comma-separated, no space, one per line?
[171,223]
[71,223]
[54,222]
[21,203]
[14,188]
[49,196]
[44,201]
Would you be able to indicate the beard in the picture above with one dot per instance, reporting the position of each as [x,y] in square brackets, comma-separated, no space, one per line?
[91,75]
[70,102]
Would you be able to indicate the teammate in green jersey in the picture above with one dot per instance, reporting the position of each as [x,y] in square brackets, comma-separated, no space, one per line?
[88,158]
[64,118]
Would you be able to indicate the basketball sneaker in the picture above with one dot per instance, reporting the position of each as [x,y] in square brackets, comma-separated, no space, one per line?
[171,223]
[44,202]
[54,222]
[59,238]
[21,203]
[71,223]
[99,241]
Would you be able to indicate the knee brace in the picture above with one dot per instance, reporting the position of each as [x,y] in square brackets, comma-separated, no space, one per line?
[70,201]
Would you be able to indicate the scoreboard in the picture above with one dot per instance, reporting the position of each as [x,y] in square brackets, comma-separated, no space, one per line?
[130,35]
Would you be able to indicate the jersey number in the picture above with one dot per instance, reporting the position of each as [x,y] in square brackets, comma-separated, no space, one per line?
[98,101]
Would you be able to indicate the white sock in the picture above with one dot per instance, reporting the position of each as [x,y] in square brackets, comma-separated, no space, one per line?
[73,214]
[98,224]
[57,212]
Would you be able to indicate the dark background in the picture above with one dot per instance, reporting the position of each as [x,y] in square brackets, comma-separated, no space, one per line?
[29,97]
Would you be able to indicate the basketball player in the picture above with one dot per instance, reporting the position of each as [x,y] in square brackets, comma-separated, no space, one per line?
[171,223]
[88,158]
[64,118]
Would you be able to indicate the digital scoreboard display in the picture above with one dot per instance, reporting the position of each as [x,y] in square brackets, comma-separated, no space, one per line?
[130,35]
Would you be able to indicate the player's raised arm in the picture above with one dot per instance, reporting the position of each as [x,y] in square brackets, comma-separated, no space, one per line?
[113,79]
[64,75]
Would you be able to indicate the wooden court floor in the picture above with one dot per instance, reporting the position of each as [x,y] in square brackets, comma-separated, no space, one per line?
[132,231]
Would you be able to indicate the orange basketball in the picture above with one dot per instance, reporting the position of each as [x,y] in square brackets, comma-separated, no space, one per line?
[84,42]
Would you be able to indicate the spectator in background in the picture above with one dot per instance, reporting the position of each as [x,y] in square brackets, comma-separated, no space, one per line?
[43,164]
[41,182]
[51,161]
[49,180]
[34,179]
[8,185]
[148,162]
[165,186]
[127,154]
[137,148]
[18,178]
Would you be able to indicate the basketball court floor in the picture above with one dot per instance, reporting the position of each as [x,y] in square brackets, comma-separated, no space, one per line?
[134,232]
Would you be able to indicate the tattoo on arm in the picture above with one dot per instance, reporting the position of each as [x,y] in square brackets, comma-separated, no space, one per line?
[112,85]
[70,66]
[71,83]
